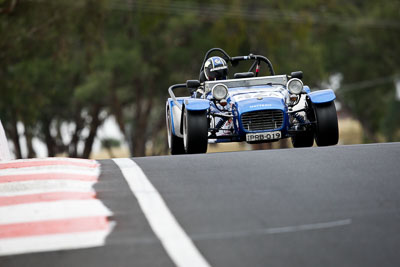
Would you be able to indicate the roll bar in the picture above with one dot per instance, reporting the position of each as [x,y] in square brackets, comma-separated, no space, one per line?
[235,60]
[171,93]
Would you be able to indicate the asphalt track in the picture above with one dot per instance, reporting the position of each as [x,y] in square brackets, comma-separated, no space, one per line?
[329,206]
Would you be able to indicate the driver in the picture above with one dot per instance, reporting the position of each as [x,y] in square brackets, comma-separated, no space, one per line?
[215,68]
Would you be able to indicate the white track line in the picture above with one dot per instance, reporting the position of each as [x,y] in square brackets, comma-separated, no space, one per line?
[44,211]
[10,246]
[173,238]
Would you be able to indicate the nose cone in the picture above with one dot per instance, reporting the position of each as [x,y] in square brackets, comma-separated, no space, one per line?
[260,103]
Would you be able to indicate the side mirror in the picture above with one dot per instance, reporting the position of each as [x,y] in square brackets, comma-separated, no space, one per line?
[192,85]
[297,74]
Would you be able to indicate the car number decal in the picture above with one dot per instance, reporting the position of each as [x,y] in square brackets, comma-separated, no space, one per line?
[253,137]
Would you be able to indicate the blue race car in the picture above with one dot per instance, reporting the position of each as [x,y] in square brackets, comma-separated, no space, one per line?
[248,107]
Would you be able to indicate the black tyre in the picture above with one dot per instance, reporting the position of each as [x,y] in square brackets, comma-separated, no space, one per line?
[175,143]
[195,131]
[303,139]
[326,124]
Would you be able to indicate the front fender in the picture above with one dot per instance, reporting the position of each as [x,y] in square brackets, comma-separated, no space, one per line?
[322,96]
[194,104]
[176,115]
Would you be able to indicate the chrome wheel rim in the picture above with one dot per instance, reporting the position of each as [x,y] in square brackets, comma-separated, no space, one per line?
[184,131]
[169,128]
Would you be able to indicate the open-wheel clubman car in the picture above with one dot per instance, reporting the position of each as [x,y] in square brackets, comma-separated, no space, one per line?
[248,108]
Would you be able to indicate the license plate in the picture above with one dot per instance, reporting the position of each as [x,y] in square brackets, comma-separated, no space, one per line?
[253,137]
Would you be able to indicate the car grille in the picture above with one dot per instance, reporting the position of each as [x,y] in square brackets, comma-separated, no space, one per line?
[262,120]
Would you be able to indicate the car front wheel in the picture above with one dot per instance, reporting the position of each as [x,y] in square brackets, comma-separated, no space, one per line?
[175,143]
[327,129]
[195,131]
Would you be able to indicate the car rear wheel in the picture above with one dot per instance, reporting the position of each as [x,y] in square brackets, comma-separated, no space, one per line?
[327,129]
[195,131]
[303,139]
[175,143]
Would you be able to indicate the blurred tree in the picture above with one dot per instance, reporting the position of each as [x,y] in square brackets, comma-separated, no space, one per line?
[109,144]
[363,52]
[44,61]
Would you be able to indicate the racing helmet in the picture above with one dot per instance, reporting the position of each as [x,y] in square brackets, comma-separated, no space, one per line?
[215,68]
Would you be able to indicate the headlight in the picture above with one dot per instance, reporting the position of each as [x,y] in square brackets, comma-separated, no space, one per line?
[295,86]
[219,91]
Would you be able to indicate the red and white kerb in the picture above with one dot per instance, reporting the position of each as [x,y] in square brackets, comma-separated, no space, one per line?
[50,204]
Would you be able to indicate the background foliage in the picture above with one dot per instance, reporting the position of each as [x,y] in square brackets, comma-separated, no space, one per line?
[66,66]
